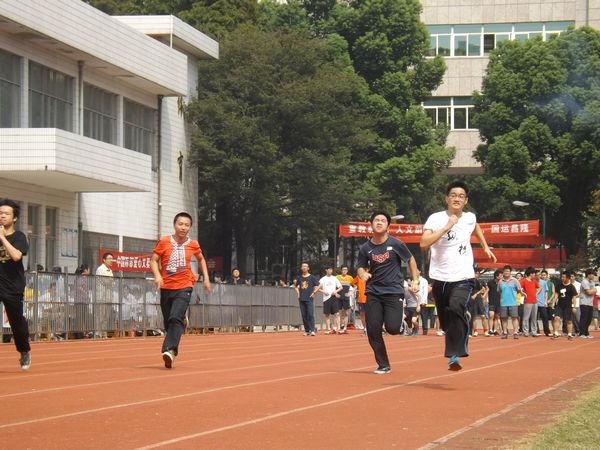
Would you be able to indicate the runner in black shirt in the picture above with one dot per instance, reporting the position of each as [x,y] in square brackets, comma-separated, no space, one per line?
[13,245]
[383,256]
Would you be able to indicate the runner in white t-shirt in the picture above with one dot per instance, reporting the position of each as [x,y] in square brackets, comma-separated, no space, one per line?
[330,286]
[448,235]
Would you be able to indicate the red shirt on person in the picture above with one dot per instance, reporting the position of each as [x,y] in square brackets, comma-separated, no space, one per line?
[175,262]
[530,287]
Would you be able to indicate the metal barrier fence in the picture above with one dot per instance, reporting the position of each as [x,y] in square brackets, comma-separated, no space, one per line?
[64,306]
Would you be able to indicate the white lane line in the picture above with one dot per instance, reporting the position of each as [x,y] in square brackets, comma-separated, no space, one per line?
[162,399]
[200,372]
[508,409]
[336,401]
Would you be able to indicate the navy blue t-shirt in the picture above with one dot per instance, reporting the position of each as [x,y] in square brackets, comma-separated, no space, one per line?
[306,286]
[385,263]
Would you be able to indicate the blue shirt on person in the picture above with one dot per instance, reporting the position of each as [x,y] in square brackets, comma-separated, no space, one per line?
[508,291]
[541,296]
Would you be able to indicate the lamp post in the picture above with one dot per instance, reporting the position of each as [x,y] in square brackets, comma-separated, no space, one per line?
[525,204]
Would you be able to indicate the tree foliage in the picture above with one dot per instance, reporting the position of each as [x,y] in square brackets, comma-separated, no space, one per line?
[539,116]
[277,122]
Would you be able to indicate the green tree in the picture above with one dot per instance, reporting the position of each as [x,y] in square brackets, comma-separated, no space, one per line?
[539,116]
[593,225]
[277,120]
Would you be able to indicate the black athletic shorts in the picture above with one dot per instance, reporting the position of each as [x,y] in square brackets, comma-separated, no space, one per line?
[330,306]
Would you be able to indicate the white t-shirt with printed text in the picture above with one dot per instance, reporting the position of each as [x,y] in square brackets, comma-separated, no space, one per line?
[452,255]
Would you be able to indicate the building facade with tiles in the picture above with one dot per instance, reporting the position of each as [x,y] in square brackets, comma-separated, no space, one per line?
[465,31]
[93,142]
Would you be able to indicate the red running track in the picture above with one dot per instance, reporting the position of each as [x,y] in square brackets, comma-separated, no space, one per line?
[273,391]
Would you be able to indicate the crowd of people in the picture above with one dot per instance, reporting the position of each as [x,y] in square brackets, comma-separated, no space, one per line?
[511,303]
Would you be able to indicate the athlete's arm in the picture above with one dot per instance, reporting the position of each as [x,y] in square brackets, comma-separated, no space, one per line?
[158,281]
[430,237]
[483,243]
[363,274]
[15,254]
[414,274]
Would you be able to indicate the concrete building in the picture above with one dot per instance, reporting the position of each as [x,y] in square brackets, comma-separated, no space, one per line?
[93,143]
[465,31]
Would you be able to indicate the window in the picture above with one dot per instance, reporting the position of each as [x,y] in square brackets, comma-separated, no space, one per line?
[481,39]
[50,98]
[99,114]
[10,85]
[455,112]
[139,129]
[438,109]
[50,238]
[440,40]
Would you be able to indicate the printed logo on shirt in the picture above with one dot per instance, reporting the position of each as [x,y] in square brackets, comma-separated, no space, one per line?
[451,235]
[462,249]
[381,258]
[4,256]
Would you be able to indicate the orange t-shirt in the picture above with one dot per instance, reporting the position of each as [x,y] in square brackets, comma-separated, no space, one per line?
[175,262]
[362,287]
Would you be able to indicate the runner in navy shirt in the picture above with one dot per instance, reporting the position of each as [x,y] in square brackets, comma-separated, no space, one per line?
[383,256]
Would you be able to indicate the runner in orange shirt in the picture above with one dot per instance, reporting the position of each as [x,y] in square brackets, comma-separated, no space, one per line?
[170,264]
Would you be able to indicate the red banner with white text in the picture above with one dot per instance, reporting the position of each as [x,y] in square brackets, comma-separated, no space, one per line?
[524,232]
[128,262]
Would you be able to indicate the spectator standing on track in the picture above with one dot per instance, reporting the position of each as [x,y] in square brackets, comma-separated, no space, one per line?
[576,309]
[361,299]
[552,298]
[170,264]
[13,246]
[448,234]
[427,305]
[104,296]
[531,288]
[330,286]
[564,308]
[586,302]
[476,307]
[520,301]
[306,287]
[412,309]
[508,288]
[380,266]
[595,314]
[494,304]
[344,298]
[542,300]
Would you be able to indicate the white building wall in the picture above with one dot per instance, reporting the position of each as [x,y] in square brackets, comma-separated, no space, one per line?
[140,215]
[94,33]
[143,209]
